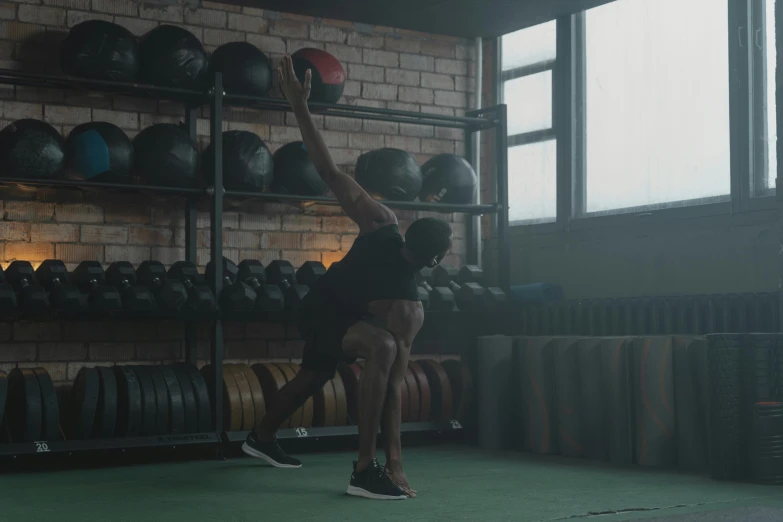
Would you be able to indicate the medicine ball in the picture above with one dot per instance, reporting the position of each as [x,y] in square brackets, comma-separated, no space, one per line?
[100,50]
[172,57]
[448,179]
[295,172]
[328,75]
[99,151]
[391,174]
[247,162]
[31,149]
[246,70]
[165,155]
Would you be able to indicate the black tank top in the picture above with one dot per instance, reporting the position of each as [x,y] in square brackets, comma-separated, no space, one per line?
[372,270]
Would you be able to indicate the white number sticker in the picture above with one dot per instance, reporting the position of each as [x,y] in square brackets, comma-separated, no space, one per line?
[301,432]
[455,425]
[41,447]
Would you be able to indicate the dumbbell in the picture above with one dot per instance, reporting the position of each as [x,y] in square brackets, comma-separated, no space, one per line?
[31,297]
[442,299]
[470,274]
[102,299]
[201,302]
[282,274]
[442,275]
[7,298]
[170,296]
[64,297]
[494,298]
[137,300]
[424,276]
[310,272]
[236,295]
[269,298]
[469,297]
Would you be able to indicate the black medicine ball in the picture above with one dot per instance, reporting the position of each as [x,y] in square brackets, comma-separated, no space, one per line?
[166,156]
[391,174]
[31,149]
[99,151]
[328,78]
[247,162]
[100,50]
[448,179]
[172,57]
[246,70]
[295,172]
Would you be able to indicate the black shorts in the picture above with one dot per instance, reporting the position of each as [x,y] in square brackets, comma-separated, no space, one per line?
[323,324]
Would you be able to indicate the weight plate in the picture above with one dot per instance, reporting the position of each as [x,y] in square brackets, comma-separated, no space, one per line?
[245,397]
[340,401]
[161,400]
[350,375]
[259,403]
[50,430]
[24,410]
[188,397]
[149,410]
[231,395]
[442,402]
[461,387]
[176,402]
[405,402]
[324,406]
[414,397]
[106,409]
[307,407]
[295,420]
[202,397]
[3,397]
[129,403]
[81,404]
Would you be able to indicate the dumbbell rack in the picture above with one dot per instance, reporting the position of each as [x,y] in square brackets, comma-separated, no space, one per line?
[493,118]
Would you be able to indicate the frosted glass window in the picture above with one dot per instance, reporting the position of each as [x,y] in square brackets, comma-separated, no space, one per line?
[532,181]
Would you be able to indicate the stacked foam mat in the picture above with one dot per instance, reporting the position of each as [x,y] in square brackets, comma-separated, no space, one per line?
[431,391]
[104,402]
[694,403]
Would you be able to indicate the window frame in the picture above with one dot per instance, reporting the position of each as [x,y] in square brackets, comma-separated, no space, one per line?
[747,95]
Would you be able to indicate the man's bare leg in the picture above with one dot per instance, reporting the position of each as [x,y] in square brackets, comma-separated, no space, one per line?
[391,420]
[379,350]
[306,384]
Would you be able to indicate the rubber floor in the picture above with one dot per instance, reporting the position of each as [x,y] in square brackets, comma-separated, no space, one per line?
[454,483]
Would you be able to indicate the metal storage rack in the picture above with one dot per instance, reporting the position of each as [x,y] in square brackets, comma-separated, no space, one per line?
[493,118]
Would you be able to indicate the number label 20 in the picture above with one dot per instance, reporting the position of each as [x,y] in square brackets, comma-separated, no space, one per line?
[41,447]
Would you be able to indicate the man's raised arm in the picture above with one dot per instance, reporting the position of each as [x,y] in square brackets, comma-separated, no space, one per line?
[365,211]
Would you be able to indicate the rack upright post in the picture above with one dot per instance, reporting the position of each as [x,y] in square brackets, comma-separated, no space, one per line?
[191,218]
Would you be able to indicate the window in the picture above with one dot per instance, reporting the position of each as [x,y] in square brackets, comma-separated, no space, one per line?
[657,104]
[770,138]
[527,60]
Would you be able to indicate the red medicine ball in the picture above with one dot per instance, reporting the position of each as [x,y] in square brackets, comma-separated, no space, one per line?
[328,74]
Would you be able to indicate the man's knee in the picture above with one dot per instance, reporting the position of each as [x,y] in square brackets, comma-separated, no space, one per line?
[382,350]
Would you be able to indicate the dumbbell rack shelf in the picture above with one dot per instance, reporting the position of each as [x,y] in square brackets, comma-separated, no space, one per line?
[492,118]
[314,433]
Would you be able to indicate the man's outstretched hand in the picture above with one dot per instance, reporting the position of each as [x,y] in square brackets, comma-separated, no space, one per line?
[294,91]
[398,477]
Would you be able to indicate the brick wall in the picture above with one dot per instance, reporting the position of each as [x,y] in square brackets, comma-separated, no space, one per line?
[386,68]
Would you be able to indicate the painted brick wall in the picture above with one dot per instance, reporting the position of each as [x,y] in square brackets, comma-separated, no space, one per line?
[385,67]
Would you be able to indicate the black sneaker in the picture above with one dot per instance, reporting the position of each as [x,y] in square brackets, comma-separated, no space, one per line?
[375,484]
[270,452]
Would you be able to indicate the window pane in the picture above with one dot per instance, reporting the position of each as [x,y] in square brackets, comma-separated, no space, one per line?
[528,46]
[772,120]
[532,181]
[658,103]
[529,101]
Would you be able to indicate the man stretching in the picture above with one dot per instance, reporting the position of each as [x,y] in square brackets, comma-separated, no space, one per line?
[366,306]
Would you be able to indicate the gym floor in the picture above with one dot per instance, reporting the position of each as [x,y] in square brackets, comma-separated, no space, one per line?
[454,483]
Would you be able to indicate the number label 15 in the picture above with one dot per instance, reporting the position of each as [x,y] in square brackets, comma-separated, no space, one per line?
[301,432]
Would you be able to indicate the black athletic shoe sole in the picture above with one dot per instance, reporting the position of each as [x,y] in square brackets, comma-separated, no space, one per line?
[248,450]
[356,491]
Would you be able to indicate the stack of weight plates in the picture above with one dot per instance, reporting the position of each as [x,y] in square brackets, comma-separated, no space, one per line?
[766,443]
[30,402]
[726,455]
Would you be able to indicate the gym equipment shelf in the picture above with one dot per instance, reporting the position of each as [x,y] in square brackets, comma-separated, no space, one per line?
[315,433]
[79,446]
[491,118]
